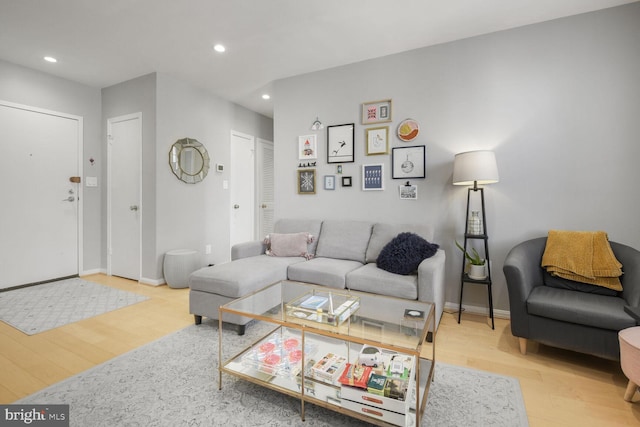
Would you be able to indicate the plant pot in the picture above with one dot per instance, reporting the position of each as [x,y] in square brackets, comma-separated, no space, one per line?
[477,272]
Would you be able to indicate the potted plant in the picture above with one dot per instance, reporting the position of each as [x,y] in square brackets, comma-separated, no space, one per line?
[476,264]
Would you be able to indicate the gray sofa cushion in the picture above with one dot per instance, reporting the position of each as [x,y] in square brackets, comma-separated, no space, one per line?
[310,226]
[240,277]
[323,271]
[383,233]
[370,278]
[598,311]
[347,240]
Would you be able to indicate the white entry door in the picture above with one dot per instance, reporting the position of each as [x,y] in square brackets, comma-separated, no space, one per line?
[40,215]
[124,136]
[242,185]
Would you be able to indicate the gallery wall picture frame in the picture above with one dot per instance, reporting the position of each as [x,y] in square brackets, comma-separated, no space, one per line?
[307,147]
[373,177]
[377,140]
[340,143]
[408,162]
[307,181]
[408,191]
[346,181]
[329,182]
[376,112]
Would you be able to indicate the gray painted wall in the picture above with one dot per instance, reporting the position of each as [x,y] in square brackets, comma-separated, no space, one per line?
[558,102]
[24,86]
[133,96]
[175,214]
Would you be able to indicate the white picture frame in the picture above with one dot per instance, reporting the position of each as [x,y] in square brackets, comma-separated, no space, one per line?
[373,177]
[329,182]
[307,147]
[408,192]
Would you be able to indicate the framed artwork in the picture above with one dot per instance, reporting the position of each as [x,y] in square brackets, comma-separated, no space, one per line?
[408,191]
[340,143]
[307,181]
[329,182]
[373,177]
[377,140]
[408,130]
[408,162]
[376,112]
[307,147]
[346,181]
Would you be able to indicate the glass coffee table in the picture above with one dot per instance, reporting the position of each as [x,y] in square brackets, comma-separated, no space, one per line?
[363,355]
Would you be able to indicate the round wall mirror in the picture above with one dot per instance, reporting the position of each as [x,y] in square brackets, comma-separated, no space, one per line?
[189,160]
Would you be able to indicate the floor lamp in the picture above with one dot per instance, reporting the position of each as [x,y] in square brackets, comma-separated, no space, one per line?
[473,168]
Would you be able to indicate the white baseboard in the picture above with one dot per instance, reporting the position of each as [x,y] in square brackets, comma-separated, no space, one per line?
[143,280]
[93,271]
[479,310]
[152,282]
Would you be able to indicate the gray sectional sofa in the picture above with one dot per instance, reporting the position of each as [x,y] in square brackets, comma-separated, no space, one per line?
[345,254]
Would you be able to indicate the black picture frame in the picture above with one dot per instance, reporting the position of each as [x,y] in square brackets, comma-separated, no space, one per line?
[409,162]
[346,181]
[340,141]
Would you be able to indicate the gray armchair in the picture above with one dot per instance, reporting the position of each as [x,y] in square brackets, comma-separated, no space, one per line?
[566,318]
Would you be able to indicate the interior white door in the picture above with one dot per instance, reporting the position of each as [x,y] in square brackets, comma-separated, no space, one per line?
[124,135]
[242,187]
[266,188]
[40,213]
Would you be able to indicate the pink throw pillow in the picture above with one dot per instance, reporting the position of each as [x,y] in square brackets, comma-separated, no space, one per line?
[291,244]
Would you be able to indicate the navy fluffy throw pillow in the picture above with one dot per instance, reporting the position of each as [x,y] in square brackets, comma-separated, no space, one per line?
[404,253]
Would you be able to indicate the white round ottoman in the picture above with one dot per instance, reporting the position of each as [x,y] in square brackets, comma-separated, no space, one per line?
[178,265]
[630,359]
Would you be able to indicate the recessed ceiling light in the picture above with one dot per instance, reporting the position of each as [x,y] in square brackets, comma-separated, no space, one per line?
[50,59]
[219,48]
[266,96]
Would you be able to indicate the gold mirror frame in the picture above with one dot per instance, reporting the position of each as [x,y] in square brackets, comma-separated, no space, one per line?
[189,160]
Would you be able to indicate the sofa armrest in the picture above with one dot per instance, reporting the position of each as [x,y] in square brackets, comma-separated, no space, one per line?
[247,249]
[431,285]
[523,272]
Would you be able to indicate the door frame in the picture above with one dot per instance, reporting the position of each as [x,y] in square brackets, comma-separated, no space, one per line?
[260,143]
[80,146]
[110,122]
[253,184]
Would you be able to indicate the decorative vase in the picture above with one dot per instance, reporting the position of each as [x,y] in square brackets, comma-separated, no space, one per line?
[477,272]
[475,223]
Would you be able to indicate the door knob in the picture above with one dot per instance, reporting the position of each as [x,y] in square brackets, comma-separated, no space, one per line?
[263,206]
[69,199]
[236,206]
[133,208]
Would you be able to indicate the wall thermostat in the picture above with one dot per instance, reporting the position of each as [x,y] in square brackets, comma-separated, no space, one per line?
[219,167]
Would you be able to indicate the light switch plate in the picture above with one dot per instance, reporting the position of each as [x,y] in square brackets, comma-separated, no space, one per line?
[91,181]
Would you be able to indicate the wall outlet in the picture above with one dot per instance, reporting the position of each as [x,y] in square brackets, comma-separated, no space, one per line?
[207,249]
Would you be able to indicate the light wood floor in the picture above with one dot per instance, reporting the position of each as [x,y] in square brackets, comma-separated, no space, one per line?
[560,388]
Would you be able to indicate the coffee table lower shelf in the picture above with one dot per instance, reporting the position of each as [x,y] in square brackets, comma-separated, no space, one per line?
[286,378]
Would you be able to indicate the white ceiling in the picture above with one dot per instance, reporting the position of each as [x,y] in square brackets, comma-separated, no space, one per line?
[103,42]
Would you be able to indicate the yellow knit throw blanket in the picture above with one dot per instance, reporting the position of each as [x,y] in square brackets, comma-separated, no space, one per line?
[582,256]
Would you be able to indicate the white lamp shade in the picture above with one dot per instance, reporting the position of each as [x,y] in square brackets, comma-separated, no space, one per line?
[475,166]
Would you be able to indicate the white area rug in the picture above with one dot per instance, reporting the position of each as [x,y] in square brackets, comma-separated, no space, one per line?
[42,307]
[173,382]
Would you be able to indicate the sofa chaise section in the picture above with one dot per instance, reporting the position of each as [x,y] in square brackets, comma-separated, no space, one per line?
[249,271]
